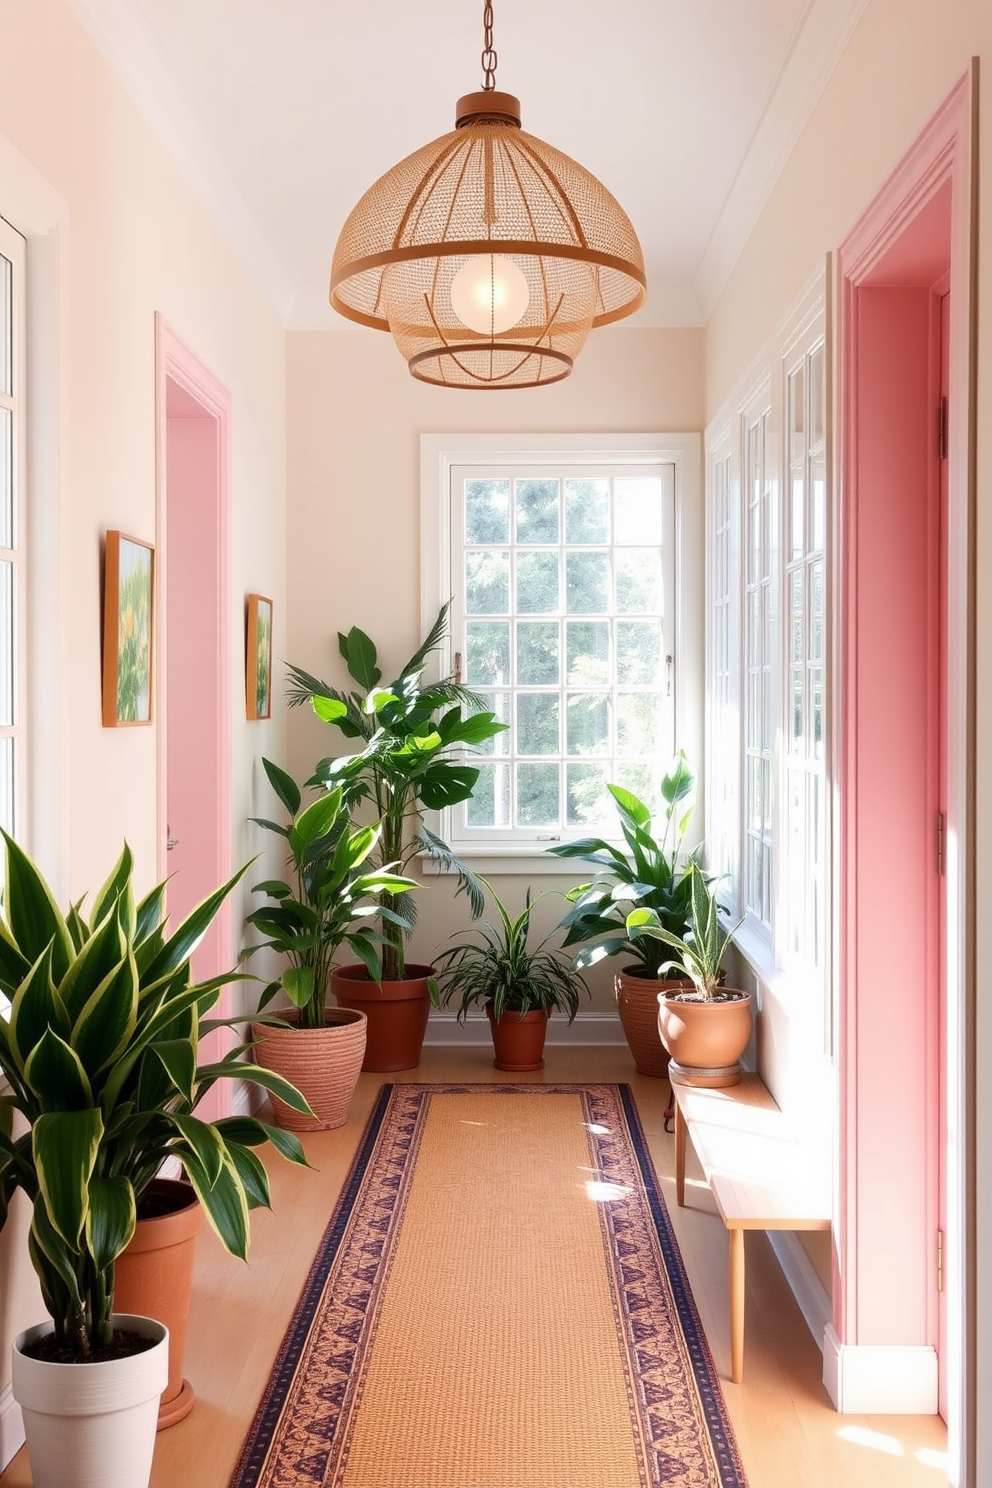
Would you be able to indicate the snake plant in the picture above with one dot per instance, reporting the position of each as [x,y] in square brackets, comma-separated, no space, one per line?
[99,1046]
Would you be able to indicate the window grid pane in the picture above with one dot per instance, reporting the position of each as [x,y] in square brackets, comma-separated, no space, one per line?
[565,637]
[760,621]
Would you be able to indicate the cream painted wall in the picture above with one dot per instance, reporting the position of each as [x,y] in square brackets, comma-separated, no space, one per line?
[355,416]
[902,61]
[132,241]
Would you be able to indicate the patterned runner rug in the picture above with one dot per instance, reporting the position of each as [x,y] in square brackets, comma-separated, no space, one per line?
[498,1302]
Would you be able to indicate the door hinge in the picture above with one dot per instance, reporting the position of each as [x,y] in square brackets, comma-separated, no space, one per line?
[940,842]
[942,430]
[940,1260]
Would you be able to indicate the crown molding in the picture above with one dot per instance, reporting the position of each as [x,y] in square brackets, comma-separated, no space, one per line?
[127,46]
[821,37]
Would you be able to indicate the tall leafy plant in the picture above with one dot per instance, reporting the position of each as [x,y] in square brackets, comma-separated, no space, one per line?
[415,734]
[99,1046]
[699,952]
[651,874]
[331,901]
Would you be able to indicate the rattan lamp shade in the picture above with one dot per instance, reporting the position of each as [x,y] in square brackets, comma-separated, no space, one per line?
[488,190]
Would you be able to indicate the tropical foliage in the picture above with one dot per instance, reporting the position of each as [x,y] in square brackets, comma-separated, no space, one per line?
[498,968]
[329,904]
[699,952]
[651,875]
[415,734]
[100,1050]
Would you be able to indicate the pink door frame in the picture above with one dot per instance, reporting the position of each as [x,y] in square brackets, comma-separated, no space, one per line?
[885,1302]
[193,431]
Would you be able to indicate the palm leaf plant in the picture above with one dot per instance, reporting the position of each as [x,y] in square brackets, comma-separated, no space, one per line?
[414,735]
[499,969]
[650,874]
[99,1046]
[699,953]
[331,902]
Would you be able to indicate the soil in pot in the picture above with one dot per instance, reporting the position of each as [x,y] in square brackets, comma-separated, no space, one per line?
[518,1041]
[397,1014]
[323,1064]
[154,1277]
[705,1036]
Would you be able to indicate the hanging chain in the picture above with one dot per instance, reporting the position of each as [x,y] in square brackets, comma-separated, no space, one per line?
[489,57]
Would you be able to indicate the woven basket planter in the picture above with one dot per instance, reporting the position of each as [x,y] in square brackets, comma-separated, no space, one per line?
[637,1005]
[323,1064]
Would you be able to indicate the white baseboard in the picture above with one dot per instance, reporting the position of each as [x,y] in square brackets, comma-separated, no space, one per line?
[879,1380]
[588,1030]
[807,1288]
[11,1426]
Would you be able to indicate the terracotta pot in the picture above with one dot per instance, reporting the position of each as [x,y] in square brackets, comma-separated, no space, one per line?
[705,1038]
[518,1041]
[154,1277]
[397,1014]
[323,1064]
[637,1004]
[91,1425]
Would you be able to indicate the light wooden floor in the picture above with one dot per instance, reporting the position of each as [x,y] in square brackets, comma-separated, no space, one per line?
[789,1435]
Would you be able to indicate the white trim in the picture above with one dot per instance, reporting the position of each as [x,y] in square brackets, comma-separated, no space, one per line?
[11,1426]
[245,1098]
[877,1380]
[812,1297]
[590,1030]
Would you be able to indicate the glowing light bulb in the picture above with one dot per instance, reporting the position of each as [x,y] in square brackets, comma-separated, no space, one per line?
[489,294]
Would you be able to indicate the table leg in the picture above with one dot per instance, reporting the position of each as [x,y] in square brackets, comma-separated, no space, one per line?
[736,1305]
[679,1155]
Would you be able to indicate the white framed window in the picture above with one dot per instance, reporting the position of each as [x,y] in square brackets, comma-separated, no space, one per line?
[562,559]
[767,615]
[723,647]
[13,568]
[805,804]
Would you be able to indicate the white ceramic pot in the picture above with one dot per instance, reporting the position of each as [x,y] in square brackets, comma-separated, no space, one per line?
[92,1425]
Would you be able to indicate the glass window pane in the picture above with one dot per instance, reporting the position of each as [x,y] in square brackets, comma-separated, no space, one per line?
[818,515]
[638,722]
[587,511]
[498,703]
[642,779]
[816,583]
[6,326]
[639,655]
[797,704]
[588,802]
[537,723]
[7,786]
[7,644]
[6,478]
[816,396]
[537,583]
[537,795]
[797,516]
[489,803]
[639,581]
[537,511]
[487,583]
[588,724]
[637,509]
[587,583]
[538,660]
[487,653]
[587,653]
[487,511]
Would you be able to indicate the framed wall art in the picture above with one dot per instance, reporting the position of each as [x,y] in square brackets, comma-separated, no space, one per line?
[128,621]
[258,654]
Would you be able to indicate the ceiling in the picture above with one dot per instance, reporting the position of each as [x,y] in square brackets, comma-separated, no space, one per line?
[282,112]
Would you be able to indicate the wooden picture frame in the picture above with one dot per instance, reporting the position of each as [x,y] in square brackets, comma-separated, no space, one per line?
[128,630]
[258,657]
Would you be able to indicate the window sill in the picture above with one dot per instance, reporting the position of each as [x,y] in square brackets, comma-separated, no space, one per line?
[529,858]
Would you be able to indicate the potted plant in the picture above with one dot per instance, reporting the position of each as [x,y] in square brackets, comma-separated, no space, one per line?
[414,734]
[519,986]
[651,874]
[705,1027]
[99,1049]
[329,904]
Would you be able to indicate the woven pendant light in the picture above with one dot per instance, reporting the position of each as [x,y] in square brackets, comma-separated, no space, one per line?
[488,254]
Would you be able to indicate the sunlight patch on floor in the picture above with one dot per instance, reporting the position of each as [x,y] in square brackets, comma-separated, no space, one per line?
[879,1441]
